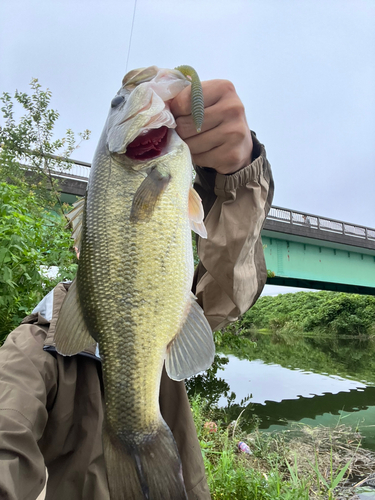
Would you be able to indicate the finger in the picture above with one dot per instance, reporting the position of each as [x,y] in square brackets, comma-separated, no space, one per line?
[213,90]
[186,127]
[221,160]
[228,108]
[231,155]
[205,141]
[181,104]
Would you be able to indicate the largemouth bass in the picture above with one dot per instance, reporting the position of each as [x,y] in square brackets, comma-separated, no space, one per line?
[132,293]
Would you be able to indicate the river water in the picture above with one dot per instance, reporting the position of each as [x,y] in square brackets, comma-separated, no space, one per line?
[280,396]
[283,380]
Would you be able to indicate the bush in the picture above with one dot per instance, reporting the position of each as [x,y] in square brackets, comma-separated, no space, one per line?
[333,312]
[30,237]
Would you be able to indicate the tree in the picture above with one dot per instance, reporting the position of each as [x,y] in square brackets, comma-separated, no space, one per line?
[31,241]
[29,155]
[33,234]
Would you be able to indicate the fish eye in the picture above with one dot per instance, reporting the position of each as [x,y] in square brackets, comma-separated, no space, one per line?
[116,101]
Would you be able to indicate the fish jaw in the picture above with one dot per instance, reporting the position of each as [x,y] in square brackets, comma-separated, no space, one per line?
[149,145]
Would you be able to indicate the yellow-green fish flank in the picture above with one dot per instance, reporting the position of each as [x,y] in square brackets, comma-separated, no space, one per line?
[132,291]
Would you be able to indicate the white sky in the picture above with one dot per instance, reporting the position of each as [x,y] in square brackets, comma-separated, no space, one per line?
[305,70]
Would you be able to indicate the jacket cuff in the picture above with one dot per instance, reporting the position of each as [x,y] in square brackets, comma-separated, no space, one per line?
[258,168]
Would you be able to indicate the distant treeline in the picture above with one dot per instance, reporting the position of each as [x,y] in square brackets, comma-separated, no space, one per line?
[331,312]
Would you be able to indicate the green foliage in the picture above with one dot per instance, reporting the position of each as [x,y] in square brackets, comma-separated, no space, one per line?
[333,481]
[232,338]
[208,383]
[297,464]
[30,237]
[227,477]
[234,475]
[338,313]
[28,153]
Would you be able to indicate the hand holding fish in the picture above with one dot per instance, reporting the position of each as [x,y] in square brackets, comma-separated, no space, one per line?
[225,142]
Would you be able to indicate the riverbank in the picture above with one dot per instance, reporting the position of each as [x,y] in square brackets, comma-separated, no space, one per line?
[315,312]
[298,464]
[318,335]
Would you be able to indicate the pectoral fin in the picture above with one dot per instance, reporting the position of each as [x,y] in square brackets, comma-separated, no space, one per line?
[72,335]
[147,195]
[75,217]
[193,349]
[196,213]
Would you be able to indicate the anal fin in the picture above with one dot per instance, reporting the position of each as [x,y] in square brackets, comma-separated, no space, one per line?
[72,335]
[193,348]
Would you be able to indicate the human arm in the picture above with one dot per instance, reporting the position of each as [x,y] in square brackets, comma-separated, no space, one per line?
[27,384]
[234,180]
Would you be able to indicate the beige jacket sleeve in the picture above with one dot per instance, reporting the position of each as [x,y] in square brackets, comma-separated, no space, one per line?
[27,387]
[232,270]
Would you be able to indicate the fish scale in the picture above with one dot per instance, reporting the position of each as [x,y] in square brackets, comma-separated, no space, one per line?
[132,291]
[144,286]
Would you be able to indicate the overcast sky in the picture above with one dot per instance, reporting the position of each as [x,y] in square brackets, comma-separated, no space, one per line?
[305,70]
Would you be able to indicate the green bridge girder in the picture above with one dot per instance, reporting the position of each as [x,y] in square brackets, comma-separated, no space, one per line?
[303,250]
[310,251]
[312,264]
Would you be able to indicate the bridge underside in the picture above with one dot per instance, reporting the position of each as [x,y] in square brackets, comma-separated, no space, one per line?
[308,263]
[321,285]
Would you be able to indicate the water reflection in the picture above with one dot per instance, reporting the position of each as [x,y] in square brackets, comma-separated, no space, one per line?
[271,382]
[317,381]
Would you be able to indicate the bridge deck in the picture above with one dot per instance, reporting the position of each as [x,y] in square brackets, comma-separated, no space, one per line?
[303,249]
[304,225]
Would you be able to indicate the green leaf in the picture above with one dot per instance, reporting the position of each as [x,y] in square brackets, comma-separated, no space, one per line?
[6,274]
[340,475]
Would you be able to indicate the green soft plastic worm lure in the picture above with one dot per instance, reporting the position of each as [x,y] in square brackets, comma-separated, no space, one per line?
[197,104]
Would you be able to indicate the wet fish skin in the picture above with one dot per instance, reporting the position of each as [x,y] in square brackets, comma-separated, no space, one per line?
[133,296]
[127,298]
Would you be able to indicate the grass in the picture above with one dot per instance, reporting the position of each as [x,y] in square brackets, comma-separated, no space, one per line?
[298,464]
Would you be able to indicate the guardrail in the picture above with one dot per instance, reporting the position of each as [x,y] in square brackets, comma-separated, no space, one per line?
[81,170]
[320,223]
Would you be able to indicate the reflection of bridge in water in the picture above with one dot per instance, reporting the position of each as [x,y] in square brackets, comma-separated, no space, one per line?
[302,249]
[278,413]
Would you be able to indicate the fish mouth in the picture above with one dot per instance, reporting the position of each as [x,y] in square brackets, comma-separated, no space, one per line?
[149,145]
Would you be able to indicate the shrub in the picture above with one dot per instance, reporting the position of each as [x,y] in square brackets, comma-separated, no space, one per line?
[30,237]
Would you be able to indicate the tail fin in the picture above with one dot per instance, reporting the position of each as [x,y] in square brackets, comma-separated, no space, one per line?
[150,470]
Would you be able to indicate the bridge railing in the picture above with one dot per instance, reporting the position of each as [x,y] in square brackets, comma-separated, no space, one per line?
[320,223]
[78,170]
[81,170]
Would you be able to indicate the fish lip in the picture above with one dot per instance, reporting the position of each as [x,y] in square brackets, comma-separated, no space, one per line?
[147,157]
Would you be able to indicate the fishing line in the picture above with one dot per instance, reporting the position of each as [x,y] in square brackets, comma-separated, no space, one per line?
[131,36]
